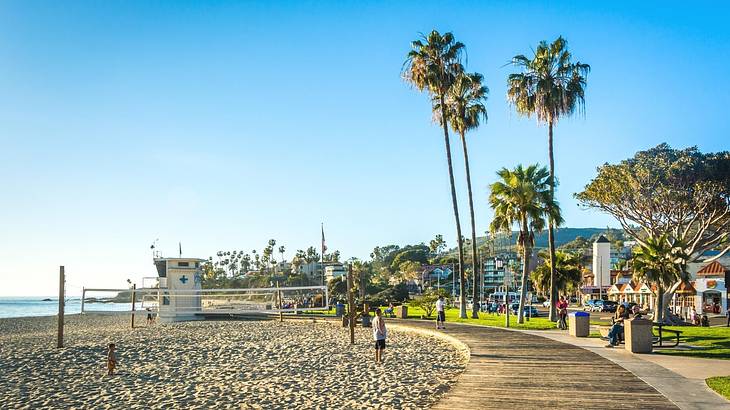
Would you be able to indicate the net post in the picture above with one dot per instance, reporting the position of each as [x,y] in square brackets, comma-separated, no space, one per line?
[61,302]
[83,297]
[134,297]
[351,305]
[281,302]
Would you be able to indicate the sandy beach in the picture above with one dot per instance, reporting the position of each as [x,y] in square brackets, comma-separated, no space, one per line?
[218,364]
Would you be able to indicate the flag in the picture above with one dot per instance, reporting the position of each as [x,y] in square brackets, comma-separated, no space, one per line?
[179,244]
[324,247]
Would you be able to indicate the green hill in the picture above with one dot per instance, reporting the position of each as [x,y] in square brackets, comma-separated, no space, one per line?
[562,236]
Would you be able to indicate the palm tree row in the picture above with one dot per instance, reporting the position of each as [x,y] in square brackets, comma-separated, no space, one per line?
[549,86]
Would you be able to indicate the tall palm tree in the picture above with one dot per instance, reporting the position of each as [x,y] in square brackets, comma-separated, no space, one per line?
[432,66]
[658,262]
[522,196]
[567,272]
[465,110]
[549,86]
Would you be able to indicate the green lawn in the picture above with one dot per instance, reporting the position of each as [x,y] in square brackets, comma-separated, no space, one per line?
[714,342]
[721,385]
[486,319]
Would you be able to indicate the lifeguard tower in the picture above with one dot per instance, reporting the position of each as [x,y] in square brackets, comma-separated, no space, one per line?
[179,295]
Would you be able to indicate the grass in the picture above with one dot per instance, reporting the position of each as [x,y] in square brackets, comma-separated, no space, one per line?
[486,319]
[712,342]
[721,385]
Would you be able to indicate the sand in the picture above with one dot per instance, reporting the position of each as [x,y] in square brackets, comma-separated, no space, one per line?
[219,364]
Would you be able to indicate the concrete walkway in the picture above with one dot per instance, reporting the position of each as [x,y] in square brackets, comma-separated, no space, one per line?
[680,379]
[519,370]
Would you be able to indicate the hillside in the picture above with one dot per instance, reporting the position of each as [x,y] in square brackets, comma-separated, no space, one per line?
[562,236]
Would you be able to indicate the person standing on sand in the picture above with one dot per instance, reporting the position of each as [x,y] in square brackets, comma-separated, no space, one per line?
[440,313]
[111,359]
[379,335]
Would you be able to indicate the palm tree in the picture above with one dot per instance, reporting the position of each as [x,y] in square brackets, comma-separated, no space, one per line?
[567,272]
[432,65]
[550,86]
[658,262]
[522,197]
[465,110]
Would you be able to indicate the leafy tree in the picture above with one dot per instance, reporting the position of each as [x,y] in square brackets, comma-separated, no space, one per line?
[413,253]
[568,273]
[427,301]
[432,66]
[437,245]
[682,196]
[549,86]
[522,197]
[465,110]
[409,270]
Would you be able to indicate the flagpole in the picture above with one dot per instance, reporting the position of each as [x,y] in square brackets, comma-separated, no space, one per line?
[323,250]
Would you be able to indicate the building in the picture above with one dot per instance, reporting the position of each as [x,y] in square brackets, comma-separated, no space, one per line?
[180,285]
[711,288]
[334,270]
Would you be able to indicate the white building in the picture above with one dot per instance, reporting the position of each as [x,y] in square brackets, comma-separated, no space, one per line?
[602,262]
[180,282]
[334,270]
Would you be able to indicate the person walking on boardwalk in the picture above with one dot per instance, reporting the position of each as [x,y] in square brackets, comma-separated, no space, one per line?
[440,313]
[379,335]
[562,307]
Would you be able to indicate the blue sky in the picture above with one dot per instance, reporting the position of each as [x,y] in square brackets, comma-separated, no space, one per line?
[224,124]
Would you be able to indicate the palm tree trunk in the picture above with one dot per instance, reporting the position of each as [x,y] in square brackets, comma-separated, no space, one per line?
[525,269]
[659,308]
[475,268]
[460,268]
[551,237]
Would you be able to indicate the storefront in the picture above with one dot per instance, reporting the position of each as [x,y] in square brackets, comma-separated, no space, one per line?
[711,296]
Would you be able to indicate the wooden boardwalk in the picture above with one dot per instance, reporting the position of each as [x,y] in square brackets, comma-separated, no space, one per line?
[516,370]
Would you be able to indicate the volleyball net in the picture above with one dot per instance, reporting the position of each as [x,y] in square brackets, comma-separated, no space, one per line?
[290,299]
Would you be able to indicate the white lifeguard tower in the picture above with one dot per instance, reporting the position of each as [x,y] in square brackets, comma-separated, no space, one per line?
[179,295]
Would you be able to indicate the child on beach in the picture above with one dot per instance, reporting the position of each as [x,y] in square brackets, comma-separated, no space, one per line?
[379,335]
[111,359]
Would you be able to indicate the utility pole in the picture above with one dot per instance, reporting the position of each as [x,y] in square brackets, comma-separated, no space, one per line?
[61,302]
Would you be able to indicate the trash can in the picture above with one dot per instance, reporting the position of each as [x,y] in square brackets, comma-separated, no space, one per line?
[579,324]
[339,309]
[401,312]
[638,335]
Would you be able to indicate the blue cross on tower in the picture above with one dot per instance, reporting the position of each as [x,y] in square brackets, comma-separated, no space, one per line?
[183,279]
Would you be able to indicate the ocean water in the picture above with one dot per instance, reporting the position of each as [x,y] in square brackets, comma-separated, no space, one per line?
[40,306]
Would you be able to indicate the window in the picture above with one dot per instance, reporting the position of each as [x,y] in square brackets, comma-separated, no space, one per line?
[183,264]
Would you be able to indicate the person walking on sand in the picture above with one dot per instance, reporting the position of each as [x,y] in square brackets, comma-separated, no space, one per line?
[379,335]
[111,359]
[440,313]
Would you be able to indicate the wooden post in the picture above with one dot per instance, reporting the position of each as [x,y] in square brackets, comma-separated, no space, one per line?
[61,301]
[83,296]
[134,297]
[281,302]
[351,305]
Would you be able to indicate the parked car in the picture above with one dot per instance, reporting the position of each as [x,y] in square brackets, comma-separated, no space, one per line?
[590,305]
[609,306]
[528,310]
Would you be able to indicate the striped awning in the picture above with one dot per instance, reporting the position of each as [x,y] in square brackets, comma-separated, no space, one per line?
[713,269]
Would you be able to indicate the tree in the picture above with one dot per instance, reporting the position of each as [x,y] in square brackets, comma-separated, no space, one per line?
[427,301]
[409,270]
[658,262]
[550,86]
[282,249]
[433,65]
[522,197]
[568,273]
[437,245]
[682,196]
[465,110]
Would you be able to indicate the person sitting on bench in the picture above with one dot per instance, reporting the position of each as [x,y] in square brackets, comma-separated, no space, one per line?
[617,330]
[390,311]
